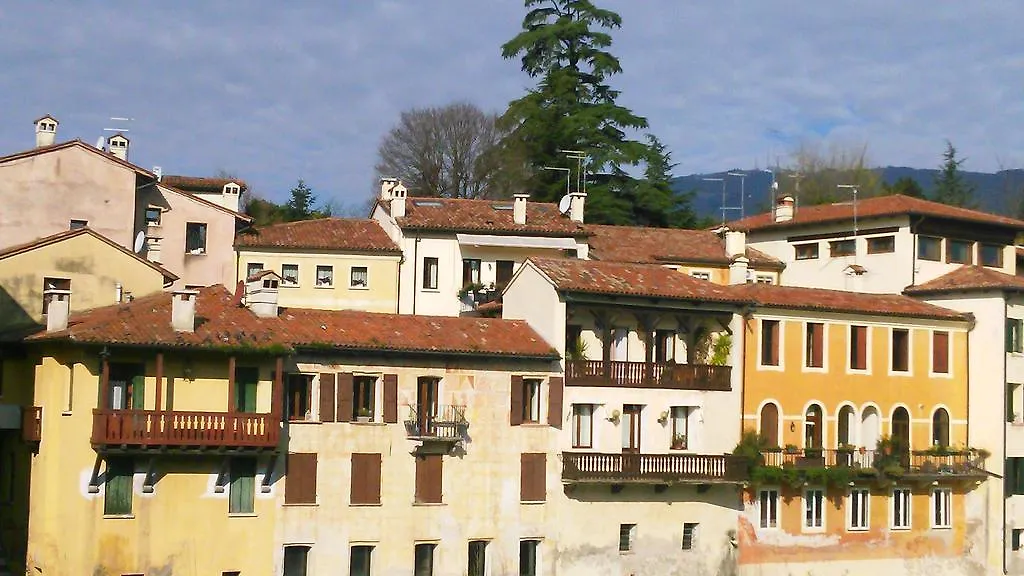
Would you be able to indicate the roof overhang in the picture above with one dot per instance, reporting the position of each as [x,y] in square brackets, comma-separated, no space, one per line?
[492,240]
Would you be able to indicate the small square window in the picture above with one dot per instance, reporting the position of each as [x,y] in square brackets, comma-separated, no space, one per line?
[959,251]
[627,537]
[701,275]
[929,248]
[76,224]
[195,238]
[290,274]
[806,251]
[153,216]
[839,248]
[253,268]
[881,245]
[359,277]
[1015,543]
[325,276]
[765,280]
[991,255]
[689,535]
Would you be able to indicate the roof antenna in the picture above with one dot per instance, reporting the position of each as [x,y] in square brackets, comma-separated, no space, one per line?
[722,180]
[568,175]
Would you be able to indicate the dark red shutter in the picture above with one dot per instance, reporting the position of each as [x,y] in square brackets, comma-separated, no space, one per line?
[555,390]
[326,397]
[345,397]
[860,343]
[532,478]
[775,342]
[940,352]
[391,398]
[372,478]
[365,479]
[515,416]
[429,474]
[818,345]
[300,479]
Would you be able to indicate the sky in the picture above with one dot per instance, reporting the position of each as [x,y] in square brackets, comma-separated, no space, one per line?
[275,91]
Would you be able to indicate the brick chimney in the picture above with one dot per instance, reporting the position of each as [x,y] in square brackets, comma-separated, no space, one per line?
[58,309]
[118,146]
[576,200]
[46,131]
[519,208]
[183,310]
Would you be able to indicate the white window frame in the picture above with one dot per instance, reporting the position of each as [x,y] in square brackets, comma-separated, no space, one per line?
[863,496]
[781,345]
[701,274]
[892,349]
[941,505]
[351,278]
[250,265]
[316,279]
[771,523]
[284,279]
[814,503]
[907,496]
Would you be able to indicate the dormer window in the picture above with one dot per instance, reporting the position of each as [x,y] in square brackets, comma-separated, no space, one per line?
[153,216]
[232,188]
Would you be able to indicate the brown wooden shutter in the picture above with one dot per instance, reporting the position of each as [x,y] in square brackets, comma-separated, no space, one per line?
[940,352]
[300,479]
[860,347]
[365,479]
[429,478]
[515,416]
[344,397]
[775,342]
[532,479]
[555,390]
[391,398]
[818,345]
[326,397]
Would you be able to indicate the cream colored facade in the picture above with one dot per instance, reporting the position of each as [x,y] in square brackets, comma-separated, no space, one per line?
[344,293]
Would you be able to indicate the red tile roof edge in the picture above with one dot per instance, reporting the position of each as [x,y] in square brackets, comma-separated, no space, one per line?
[968,278]
[251,237]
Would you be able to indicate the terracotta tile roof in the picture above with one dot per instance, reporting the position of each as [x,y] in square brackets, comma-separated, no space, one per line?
[79,144]
[67,234]
[221,324]
[205,202]
[820,300]
[493,216]
[623,279]
[969,278]
[341,234]
[654,245]
[877,207]
[200,184]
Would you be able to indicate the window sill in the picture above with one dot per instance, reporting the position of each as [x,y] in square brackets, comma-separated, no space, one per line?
[119,516]
[195,254]
[901,373]
[300,504]
[66,413]
[368,423]
[532,502]
[942,527]
[429,504]
[534,425]
[358,287]
[365,505]
[431,290]
[286,285]
[851,529]
[324,286]
[290,422]
[242,515]
[900,528]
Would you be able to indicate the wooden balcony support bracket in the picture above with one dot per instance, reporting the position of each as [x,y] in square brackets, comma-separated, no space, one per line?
[149,480]
[268,475]
[222,476]
[159,380]
[94,479]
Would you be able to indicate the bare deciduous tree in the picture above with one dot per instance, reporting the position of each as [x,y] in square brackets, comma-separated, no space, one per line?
[452,151]
[822,169]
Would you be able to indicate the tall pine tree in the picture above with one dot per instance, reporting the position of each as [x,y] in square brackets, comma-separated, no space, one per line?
[950,186]
[563,45]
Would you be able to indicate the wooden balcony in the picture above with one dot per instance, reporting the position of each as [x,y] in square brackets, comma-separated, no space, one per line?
[32,423]
[585,467]
[151,429]
[643,375]
[919,464]
[443,424]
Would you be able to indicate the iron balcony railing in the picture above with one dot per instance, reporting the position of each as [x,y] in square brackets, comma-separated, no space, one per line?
[436,422]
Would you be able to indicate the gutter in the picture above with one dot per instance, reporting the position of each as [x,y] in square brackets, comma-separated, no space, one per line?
[314,349]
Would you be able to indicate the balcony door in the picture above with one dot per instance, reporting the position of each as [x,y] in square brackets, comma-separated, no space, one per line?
[426,403]
[631,437]
[127,387]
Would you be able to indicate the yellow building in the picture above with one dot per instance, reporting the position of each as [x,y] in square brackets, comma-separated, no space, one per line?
[329,263]
[860,402]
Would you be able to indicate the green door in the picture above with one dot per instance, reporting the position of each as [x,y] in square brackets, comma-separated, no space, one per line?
[246,382]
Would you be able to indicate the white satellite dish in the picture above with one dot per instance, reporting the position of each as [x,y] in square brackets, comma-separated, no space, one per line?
[100,141]
[140,240]
[564,204]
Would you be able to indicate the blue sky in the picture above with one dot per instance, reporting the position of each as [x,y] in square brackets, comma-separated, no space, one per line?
[275,91]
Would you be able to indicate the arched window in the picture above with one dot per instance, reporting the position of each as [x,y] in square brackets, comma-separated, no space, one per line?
[940,428]
[844,425]
[901,428]
[813,427]
[770,425]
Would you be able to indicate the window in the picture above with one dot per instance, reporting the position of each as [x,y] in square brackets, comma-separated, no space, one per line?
[814,342]
[253,268]
[477,558]
[761,279]
[359,560]
[991,255]
[838,248]
[325,276]
[290,274]
[942,503]
[153,216]
[901,508]
[858,347]
[231,573]
[582,425]
[76,224]
[242,490]
[1014,329]
[1012,404]
[295,560]
[359,277]
[929,248]
[813,508]
[881,244]
[429,478]
[424,560]
[363,396]
[117,500]
[365,479]
[470,271]
[627,536]
[769,342]
[806,251]
[531,400]
[940,352]
[940,428]
[768,508]
[689,535]
[1015,543]
[195,238]
[53,284]
[1014,476]
[700,275]
[300,479]
[430,273]
[959,251]
[504,270]
[528,557]
[664,345]
[900,350]
[533,477]
[858,513]
[680,427]
[299,386]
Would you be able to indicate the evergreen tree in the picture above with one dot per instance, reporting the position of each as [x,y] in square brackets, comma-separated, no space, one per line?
[300,205]
[563,46]
[950,187]
[904,185]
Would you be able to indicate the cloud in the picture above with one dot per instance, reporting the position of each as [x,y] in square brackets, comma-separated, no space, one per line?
[275,92]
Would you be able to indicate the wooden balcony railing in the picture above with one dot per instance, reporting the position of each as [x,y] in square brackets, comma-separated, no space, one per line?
[652,468]
[176,429]
[32,423]
[960,463]
[644,375]
[436,423]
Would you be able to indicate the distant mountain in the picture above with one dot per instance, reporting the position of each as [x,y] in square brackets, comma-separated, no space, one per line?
[995,193]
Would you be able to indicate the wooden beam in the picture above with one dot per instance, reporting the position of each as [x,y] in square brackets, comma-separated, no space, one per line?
[277,391]
[104,380]
[159,380]
[231,385]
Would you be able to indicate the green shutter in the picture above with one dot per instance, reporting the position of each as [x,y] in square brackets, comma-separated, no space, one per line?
[246,382]
[138,392]
[243,486]
[118,497]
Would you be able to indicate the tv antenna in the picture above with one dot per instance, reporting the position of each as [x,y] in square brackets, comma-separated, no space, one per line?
[855,189]
[568,175]
[722,180]
[579,156]
[743,193]
[119,128]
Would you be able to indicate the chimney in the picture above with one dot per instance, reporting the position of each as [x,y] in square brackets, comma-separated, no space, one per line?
[785,208]
[58,308]
[158,172]
[46,131]
[735,243]
[519,208]
[261,293]
[118,146]
[576,200]
[738,270]
[230,195]
[183,310]
[399,193]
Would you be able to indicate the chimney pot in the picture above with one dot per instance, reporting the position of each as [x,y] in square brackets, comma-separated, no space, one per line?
[519,208]
[46,131]
[57,309]
[183,310]
[576,200]
[785,208]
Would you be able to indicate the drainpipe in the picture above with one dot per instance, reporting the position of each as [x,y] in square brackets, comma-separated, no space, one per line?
[1002,530]
[398,285]
[415,264]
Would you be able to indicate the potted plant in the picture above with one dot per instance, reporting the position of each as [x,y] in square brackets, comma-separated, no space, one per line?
[679,442]
[364,415]
[792,449]
[844,455]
